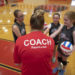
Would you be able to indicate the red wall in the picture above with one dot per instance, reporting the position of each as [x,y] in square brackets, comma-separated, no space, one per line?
[12,1]
[1,2]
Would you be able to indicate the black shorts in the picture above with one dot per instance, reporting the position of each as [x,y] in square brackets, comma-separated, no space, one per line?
[60,51]
[56,42]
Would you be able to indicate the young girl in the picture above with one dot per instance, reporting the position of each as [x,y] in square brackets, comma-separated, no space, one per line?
[67,34]
[53,27]
[18,27]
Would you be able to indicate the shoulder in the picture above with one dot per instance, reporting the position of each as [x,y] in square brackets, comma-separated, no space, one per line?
[73,28]
[14,27]
[49,38]
[49,25]
[74,33]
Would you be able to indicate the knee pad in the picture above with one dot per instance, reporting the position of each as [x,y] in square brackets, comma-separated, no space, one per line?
[64,63]
[59,59]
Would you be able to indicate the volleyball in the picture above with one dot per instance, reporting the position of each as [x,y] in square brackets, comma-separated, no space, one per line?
[66,47]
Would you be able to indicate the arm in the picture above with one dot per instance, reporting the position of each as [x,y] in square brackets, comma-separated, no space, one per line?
[53,35]
[47,30]
[16,55]
[16,31]
[74,40]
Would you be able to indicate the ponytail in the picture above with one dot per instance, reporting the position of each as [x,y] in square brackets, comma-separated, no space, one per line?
[15,20]
[74,23]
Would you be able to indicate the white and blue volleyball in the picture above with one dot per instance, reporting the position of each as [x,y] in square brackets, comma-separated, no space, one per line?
[66,47]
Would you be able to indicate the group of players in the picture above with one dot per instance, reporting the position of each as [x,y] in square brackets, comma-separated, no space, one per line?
[36,62]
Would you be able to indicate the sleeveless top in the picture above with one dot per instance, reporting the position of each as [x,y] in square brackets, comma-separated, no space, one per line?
[53,29]
[21,29]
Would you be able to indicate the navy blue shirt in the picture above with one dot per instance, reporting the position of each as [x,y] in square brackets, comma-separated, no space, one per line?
[21,29]
[67,34]
[53,29]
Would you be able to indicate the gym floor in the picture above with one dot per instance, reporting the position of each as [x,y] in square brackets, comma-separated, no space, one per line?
[7,66]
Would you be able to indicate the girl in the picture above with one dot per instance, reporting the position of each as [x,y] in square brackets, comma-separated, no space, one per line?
[18,28]
[67,34]
[53,27]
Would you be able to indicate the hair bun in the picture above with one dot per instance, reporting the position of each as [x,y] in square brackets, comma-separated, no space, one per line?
[39,13]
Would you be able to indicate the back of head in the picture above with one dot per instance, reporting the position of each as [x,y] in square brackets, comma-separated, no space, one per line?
[37,8]
[37,20]
[40,11]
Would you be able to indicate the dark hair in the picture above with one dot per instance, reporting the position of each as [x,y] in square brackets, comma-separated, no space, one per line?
[16,14]
[71,16]
[74,23]
[37,20]
[56,14]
